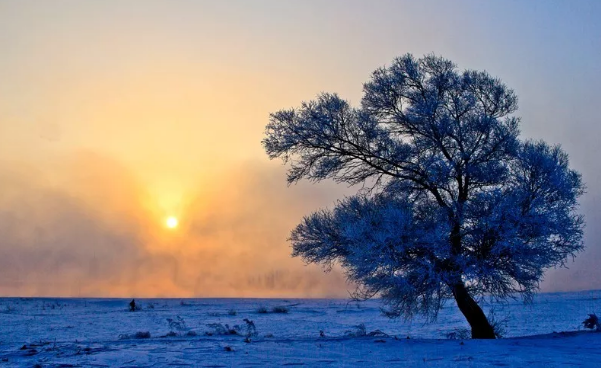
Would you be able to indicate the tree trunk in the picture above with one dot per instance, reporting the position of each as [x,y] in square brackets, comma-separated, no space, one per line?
[481,328]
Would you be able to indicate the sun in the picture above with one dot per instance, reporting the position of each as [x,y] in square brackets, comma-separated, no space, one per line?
[171,222]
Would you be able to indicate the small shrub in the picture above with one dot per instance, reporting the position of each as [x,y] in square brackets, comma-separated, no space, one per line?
[359,331]
[191,333]
[171,334]
[177,324]
[459,334]
[219,329]
[137,335]
[262,310]
[592,322]
[142,335]
[251,329]
[379,333]
[232,312]
[280,309]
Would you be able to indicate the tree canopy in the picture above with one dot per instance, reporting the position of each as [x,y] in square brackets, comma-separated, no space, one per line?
[454,204]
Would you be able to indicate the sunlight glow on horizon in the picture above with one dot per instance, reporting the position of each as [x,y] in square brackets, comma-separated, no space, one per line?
[130,132]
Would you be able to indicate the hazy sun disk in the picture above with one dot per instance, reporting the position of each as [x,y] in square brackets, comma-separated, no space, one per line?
[171,222]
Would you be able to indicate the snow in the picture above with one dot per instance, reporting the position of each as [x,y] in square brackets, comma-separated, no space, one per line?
[98,332]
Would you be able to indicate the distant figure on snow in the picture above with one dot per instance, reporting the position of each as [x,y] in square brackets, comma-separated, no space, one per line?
[132,306]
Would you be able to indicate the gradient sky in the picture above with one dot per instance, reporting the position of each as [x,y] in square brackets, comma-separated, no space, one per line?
[116,114]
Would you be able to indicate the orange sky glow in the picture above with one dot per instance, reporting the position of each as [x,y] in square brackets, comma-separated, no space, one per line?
[115,115]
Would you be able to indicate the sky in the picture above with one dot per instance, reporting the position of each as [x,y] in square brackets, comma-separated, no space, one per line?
[115,115]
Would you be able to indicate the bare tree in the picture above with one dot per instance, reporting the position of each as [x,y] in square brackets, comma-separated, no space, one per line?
[457,207]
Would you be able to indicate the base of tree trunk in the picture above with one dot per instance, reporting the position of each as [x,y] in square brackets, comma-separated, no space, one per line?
[481,328]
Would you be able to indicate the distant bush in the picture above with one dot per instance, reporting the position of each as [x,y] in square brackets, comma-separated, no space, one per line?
[232,312]
[251,329]
[280,309]
[177,324]
[137,335]
[375,333]
[359,331]
[262,310]
[50,306]
[176,334]
[277,309]
[592,322]
[459,334]
[219,329]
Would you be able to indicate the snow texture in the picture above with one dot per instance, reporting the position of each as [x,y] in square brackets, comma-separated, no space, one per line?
[205,333]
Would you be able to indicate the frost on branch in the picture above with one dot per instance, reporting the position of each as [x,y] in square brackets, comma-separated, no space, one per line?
[383,243]
[458,206]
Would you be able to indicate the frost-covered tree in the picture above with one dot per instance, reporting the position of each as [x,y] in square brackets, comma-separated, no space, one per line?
[453,204]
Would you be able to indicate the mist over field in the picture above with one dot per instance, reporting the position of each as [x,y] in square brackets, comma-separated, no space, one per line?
[115,116]
[102,238]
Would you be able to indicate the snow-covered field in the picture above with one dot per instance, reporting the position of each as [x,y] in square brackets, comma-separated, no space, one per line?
[192,332]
